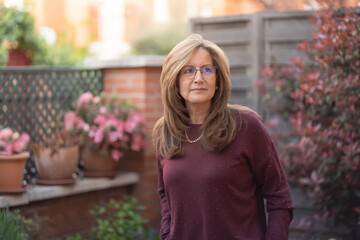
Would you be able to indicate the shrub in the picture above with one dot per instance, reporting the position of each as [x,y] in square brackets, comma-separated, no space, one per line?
[15,227]
[321,97]
[120,220]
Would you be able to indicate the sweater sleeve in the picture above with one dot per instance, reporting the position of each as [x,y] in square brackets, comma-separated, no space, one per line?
[165,211]
[271,178]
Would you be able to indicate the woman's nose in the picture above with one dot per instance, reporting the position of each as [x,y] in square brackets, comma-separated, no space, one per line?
[198,77]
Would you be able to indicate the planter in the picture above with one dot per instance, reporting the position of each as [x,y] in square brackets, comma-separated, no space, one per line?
[98,165]
[18,58]
[56,167]
[12,172]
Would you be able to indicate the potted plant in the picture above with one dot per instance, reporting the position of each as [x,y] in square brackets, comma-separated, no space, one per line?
[19,43]
[57,160]
[111,127]
[12,160]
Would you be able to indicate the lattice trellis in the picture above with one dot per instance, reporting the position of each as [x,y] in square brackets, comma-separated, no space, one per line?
[32,98]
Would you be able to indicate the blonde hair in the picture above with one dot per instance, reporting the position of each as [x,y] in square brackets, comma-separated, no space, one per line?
[220,127]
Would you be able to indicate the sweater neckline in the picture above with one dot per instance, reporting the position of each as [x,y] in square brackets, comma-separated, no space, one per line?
[195,124]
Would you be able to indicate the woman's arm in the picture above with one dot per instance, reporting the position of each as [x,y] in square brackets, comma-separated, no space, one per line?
[165,211]
[268,171]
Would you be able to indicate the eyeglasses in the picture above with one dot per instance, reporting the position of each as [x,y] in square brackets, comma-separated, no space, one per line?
[206,71]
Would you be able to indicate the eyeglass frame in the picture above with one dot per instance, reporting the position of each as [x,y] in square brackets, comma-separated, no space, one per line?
[214,69]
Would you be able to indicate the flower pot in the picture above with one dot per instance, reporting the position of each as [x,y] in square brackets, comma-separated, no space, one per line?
[98,165]
[12,172]
[18,58]
[56,166]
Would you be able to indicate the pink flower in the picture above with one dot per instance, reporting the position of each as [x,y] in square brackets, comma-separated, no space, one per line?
[100,119]
[21,144]
[110,121]
[85,98]
[79,123]
[16,144]
[70,118]
[113,136]
[116,154]
[8,149]
[102,110]
[119,126]
[137,142]
[99,135]
[5,133]
[86,127]
[134,120]
[91,133]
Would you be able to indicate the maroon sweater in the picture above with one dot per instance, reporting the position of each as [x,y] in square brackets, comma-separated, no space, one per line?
[206,195]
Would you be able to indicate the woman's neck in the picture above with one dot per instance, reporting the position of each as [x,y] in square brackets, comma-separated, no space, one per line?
[198,113]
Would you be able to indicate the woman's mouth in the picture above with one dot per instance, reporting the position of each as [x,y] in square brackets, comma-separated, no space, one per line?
[198,89]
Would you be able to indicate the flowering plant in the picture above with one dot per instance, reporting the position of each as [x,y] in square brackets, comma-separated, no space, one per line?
[111,125]
[11,142]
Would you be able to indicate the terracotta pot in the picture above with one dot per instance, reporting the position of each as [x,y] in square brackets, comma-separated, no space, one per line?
[18,58]
[12,171]
[98,165]
[59,165]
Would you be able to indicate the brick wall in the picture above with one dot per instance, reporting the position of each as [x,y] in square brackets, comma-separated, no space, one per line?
[68,216]
[141,86]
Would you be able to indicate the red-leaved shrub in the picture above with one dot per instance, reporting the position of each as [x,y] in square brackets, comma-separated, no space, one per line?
[320,96]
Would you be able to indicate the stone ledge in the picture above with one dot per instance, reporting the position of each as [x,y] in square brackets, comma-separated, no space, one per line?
[41,192]
[127,62]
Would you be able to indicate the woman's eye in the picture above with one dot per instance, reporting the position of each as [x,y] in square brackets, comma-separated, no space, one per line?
[206,70]
[189,71]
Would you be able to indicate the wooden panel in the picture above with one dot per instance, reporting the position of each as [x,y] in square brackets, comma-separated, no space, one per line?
[240,79]
[281,57]
[227,36]
[287,29]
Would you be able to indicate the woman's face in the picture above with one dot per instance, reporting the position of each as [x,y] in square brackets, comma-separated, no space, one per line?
[198,90]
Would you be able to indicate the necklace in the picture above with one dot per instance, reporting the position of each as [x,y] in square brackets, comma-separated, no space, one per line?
[192,141]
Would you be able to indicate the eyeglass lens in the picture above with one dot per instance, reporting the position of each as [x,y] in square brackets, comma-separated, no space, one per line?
[206,71]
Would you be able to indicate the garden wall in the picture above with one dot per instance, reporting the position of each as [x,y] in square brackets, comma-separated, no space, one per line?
[64,210]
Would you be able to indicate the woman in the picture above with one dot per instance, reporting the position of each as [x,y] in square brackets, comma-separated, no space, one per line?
[216,162]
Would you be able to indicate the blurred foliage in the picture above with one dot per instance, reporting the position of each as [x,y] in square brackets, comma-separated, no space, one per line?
[320,96]
[62,53]
[158,42]
[17,31]
[13,226]
[120,220]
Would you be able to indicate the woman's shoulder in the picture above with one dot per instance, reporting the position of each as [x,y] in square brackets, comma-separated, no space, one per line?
[244,113]
[248,120]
